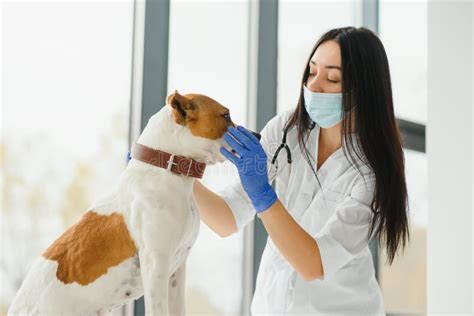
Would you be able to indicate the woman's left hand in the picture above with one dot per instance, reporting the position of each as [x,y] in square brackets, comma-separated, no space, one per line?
[251,163]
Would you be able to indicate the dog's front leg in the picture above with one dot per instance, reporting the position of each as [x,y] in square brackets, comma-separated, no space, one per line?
[153,235]
[177,291]
[154,267]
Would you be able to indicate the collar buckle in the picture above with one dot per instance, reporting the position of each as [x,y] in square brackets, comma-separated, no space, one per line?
[170,162]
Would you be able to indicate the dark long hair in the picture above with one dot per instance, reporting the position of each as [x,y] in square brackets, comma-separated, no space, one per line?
[367,94]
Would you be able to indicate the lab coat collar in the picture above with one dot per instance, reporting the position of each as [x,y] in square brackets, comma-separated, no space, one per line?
[336,164]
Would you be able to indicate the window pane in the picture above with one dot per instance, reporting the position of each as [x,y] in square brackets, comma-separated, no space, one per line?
[66,90]
[211,59]
[408,68]
[406,46]
[300,24]
[404,283]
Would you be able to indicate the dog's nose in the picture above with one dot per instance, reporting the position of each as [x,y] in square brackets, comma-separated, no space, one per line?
[256,134]
[253,133]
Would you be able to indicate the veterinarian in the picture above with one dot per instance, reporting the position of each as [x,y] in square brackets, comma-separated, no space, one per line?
[339,183]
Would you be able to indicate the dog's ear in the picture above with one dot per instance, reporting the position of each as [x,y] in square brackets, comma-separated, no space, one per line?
[184,110]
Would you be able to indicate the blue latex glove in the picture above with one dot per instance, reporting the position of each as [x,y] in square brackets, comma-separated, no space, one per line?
[251,164]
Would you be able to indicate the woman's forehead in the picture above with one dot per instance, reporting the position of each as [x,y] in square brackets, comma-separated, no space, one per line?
[328,53]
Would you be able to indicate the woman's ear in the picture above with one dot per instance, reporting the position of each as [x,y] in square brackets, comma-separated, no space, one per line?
[183,108]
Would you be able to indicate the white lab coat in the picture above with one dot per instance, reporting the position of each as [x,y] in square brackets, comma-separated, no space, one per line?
[339,223]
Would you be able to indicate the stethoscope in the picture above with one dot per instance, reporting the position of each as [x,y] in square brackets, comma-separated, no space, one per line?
[284,145]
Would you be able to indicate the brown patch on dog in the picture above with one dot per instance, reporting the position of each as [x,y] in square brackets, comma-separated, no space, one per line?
[204,116]
[91,246]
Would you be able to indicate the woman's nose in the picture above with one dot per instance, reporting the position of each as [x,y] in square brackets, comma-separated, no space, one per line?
[314,84]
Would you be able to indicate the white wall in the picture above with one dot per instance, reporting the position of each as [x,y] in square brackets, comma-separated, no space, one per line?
[472,161]
[450,152]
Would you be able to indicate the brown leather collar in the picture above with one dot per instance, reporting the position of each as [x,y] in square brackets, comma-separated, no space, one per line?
[174,163]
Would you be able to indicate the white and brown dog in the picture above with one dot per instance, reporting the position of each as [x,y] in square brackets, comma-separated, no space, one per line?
[135,240]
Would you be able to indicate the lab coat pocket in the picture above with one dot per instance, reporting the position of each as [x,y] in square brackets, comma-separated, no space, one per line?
[278,273]
[271,282]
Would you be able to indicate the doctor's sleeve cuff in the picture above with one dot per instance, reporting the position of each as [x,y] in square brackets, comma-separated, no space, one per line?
[239,203]
[344,235]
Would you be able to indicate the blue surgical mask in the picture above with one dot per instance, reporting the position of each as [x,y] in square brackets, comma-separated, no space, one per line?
[324,108]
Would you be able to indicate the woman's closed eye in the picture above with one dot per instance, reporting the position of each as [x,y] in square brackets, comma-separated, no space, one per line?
[333,81]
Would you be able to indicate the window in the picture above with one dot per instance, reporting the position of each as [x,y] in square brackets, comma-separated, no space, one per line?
[406,47]
[66,84]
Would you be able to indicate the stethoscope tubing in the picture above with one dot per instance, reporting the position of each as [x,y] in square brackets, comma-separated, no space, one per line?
[283,144]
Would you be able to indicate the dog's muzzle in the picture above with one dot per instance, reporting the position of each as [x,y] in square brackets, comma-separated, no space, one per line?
[256,134]
[259,137]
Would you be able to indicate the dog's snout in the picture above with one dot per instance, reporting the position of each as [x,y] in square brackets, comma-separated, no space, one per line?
[256,135]
[259,137]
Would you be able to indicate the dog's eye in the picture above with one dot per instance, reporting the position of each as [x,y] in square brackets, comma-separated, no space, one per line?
[227,116]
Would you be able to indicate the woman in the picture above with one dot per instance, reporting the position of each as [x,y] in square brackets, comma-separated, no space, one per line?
[344,186]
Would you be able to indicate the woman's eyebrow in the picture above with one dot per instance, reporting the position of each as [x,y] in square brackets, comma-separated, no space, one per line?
[327,66]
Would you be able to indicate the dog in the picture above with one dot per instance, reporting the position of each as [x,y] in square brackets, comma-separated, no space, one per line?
[135,239]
